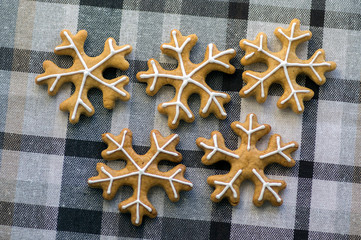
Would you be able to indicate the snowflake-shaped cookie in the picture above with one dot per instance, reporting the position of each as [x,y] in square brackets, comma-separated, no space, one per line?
[283,67]
[188,78]
[86,73]
[141,172]
[247,162]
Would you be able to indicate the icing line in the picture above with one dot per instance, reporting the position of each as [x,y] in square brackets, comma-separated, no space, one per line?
[250,130]
[279,150]
[267,185]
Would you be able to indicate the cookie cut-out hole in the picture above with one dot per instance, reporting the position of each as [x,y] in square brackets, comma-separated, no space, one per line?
[221,167]
[257,67]
[141,150]
[214,80]
[110,73]
[62,61]
[165,165]
[276,90]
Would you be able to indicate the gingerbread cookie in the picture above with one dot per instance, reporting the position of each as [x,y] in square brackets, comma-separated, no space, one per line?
[247,162]
[86,73]
[141,172]
[283,67]
[188,78]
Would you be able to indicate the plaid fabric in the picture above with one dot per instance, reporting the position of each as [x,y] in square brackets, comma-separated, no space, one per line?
[45,161]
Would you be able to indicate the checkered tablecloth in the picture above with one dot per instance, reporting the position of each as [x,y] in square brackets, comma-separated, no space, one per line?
[45,161]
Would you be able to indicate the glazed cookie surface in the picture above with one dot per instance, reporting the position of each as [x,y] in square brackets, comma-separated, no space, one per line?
[141,172]
[283,67]
[188,78]
[86,73]
[247,162]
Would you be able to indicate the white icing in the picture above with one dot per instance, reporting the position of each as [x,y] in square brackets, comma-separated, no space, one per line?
[279,150]
[187,78]
[142,171]
[87,72]
[111,178]
[245,161]
[267,185]
[284,64]
[258,49]
[216,149]
[250,130]
[249,55]
[228,185]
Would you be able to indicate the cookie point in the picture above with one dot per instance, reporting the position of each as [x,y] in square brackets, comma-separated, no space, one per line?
[65,32]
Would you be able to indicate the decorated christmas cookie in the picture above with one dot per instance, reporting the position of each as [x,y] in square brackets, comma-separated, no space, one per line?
[141,172]
[283,67]
[188,78]
[247,162]
[86,73]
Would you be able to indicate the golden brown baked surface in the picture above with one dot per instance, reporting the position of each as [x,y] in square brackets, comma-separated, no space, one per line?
[247,162]
[188,78]
[141,172]
[86,73]
[283,67]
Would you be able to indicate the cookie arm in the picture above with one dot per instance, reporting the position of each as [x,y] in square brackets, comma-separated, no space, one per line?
[215,149]
[279,152]
[226,186]
[266,189]
[110,180]
[172,181]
